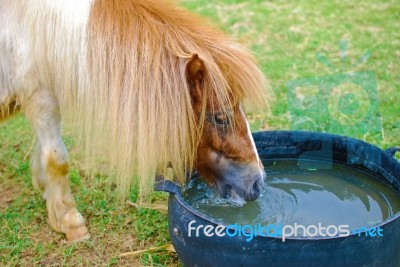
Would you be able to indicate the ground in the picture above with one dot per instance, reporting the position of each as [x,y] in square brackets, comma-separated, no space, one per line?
[287,38]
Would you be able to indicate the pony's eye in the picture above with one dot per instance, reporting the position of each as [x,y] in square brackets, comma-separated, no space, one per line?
[221,119]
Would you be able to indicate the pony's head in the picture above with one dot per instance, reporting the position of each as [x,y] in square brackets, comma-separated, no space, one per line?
[226,154]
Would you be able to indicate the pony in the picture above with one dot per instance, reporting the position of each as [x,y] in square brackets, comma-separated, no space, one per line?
[146,86]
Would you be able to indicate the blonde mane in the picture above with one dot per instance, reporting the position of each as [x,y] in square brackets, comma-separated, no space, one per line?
[121,77]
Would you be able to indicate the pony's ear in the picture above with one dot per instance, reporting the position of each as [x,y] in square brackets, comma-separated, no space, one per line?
[195,70]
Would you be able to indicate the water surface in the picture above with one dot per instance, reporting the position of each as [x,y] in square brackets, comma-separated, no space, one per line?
[303,192]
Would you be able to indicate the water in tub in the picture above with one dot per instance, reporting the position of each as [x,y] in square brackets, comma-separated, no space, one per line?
[303,192]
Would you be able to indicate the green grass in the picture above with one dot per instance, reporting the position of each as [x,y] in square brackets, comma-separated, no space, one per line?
[286,37]
[27,240]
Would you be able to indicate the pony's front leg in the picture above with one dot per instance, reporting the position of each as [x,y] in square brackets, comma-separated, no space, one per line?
[50,165]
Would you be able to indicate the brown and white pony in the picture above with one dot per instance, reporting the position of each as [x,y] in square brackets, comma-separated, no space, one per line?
[145,84]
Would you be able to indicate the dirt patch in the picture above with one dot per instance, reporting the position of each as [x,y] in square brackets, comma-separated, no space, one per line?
[8,194]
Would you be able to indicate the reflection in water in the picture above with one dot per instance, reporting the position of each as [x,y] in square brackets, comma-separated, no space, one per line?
[305,193]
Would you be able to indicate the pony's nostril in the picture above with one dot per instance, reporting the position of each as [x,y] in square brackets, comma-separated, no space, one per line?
[255,190]
[257,186]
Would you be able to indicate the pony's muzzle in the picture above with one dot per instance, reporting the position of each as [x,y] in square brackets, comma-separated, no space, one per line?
[232,177]
[245,182]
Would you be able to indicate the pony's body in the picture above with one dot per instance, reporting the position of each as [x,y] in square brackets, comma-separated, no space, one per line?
[123,72]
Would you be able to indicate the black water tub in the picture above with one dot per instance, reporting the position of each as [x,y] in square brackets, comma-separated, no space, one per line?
[353,250]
